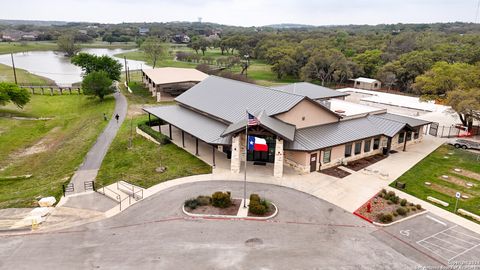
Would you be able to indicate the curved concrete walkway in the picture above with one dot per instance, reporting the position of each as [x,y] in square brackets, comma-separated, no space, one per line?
[89,168]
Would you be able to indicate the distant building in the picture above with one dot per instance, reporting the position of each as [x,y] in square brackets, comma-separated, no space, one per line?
[143,31]
[181,38]
[366,83]
[83,31]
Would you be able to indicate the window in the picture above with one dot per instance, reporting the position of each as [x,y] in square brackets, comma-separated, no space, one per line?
[401,137]
[358,148]
[416,133]
[366,146]
[327,155]
[376,143]
[348,150]
[409,136]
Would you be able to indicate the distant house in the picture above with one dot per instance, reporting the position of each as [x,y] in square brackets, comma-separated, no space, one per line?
[29,36]
[181,38]
[366,83]
[143,31]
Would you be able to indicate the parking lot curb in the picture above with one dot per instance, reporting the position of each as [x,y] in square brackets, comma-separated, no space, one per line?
[400,220]
[226,217]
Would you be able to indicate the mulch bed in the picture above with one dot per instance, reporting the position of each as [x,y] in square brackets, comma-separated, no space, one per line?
[335,172]
[380,205]
[357,165]
[232,210]
[271,210]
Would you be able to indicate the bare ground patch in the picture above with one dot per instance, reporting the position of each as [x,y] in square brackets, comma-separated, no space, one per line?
[447,191]
[469,174]
[458,181]
[47,142]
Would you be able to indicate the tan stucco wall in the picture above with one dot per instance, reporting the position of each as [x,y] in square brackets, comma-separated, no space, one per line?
[367,86]
[306,114]
[399,146]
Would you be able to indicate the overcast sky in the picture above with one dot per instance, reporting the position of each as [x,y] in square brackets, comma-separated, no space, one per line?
[244,12]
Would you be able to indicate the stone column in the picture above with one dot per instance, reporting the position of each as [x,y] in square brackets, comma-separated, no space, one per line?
[159,96]
[236,153]
[278,165]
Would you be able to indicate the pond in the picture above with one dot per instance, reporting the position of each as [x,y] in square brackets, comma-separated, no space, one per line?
[55,66]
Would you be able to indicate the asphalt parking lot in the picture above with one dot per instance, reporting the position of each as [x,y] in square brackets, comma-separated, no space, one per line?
[308,233]
[438,239]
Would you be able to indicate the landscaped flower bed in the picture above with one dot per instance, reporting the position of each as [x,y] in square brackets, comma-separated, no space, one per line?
[387,207]
[259,207]
[220,203]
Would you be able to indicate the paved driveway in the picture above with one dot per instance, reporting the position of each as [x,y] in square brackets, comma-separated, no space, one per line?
[308,233]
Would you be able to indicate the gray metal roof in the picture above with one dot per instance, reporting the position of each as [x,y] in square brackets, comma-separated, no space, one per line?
[413,122]
[310,90]
[194,123]
[284,130]
[323,136]
[228,99]
[328,135]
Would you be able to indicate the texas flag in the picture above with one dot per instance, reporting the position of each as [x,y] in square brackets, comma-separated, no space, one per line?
[257,144]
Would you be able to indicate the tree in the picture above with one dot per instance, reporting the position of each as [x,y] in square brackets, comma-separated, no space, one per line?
[284,66]
[90,63]
[97,83]
[370,61]
[323,64]
[153,48]
[458,84]
[66,44]
[10,92]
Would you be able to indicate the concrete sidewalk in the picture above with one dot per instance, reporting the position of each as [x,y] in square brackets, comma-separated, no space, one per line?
[89,168]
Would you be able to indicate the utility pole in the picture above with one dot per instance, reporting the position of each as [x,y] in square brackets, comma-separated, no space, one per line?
[14,71]
[126,72]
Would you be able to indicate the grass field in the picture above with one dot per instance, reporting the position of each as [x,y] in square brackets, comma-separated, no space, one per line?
[23,77]
[137,165]
[14,47]
[51,150]
[259,71]
[431,169]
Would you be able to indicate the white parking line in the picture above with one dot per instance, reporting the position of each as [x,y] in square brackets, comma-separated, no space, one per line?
[464,252]
[466,235]
[459,239]
[436,220]
[445,236]
[438,233]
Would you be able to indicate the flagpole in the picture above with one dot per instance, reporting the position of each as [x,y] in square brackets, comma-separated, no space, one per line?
[245,171]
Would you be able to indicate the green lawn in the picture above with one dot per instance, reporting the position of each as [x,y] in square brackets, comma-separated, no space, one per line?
[23,77]
[137,165]
[52,149]
[14,47]
[431,168]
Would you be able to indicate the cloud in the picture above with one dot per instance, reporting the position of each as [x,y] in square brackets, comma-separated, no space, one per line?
[245,12]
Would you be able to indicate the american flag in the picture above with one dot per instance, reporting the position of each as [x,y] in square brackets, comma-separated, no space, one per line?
[252,120]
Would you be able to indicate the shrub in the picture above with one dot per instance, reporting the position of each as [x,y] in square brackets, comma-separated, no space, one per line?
[159,137]
[394,199]
[254,197]
[413,208]
[402,211]
[395,213]
[204,200]
[419,206]
[389,195]
[403,202]
[221,199]
[257,208]
[191,203]
[389,202]
[383,191]
[385,217]
[411,204]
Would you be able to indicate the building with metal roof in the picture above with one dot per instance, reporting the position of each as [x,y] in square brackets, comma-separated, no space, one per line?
[299,131]
[168,82]
[366,83]
[313,91]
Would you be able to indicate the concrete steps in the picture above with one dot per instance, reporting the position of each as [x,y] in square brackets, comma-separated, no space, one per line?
[124,193]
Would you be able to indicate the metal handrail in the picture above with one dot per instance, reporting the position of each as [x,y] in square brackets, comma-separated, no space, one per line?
[117,196]
[131,187]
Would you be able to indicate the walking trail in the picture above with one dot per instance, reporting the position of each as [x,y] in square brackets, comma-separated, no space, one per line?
[88,170]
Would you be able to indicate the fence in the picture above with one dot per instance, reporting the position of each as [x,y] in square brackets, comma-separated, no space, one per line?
[451,131]
[52,90]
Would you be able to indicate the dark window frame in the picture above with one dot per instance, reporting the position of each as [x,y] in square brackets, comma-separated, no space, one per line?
[359,148]
[416,133]
[376,143]
[365,144]
[329,151]
[408,137]
[348,146]
[401,137]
